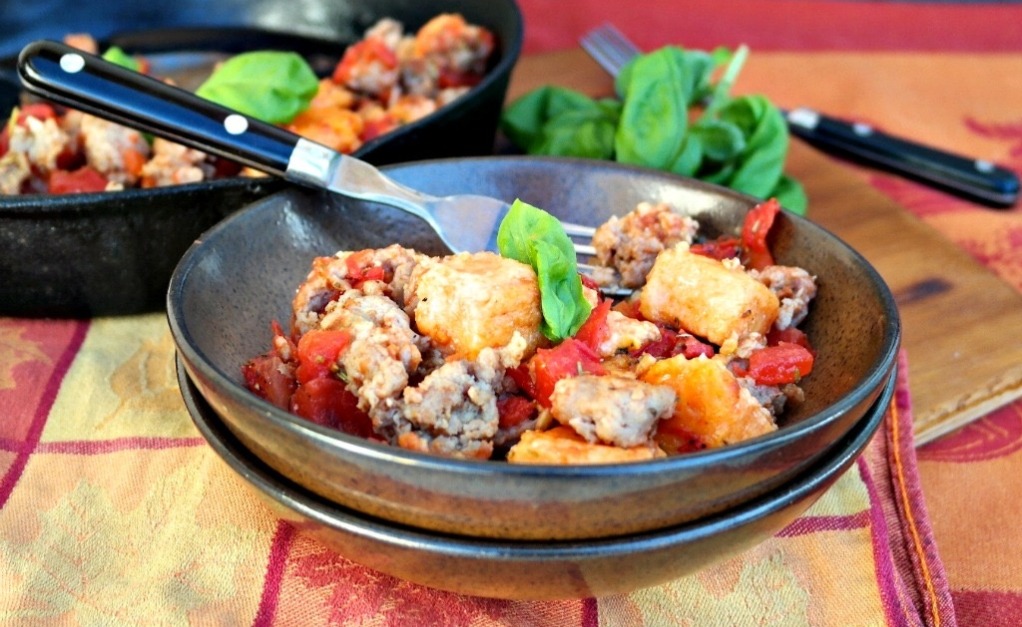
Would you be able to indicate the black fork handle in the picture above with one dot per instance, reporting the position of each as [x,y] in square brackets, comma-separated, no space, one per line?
[76,79]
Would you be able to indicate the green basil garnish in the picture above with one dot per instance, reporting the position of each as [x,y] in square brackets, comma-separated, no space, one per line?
[669,115]
[268,85]
[534,237]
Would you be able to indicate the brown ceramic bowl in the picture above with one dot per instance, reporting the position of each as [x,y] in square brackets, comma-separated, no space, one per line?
[112,253]
[535,570]
[242,274]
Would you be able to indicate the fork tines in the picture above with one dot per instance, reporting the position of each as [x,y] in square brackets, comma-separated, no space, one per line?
[582,232]
[609,47]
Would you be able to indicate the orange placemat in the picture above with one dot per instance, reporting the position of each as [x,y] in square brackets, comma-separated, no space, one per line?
[114,511]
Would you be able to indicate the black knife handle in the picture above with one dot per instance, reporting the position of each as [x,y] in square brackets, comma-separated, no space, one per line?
[91,84]
[977,180]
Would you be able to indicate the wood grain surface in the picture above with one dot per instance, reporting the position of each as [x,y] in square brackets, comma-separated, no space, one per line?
[961,323]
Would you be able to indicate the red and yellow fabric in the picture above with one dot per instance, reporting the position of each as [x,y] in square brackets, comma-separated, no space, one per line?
[114,511]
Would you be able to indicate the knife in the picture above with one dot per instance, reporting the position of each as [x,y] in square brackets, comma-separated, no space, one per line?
[975,179]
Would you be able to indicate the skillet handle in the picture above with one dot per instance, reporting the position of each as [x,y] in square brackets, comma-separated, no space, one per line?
[82,81]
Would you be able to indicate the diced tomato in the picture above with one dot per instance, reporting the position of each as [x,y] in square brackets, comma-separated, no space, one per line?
[523,379]
[755,229]
[375,127]
[629,309]
[662,348]
[513,410]
[224,167]
[588,281]
[568,359]
[80,181]
[790,335]
[672,343]
[363,53]
[327,402]
[720,248]
[777,365]
[450,77]
[359,270]
[318,352]
[133,161]
[267,377]
[594,331]
[38,110]
[70,159]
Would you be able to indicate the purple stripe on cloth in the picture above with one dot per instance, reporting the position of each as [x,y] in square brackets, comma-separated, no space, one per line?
[910,577]
[280,548]
[10,445]
[888,578]
[590,613]
[42,412]
[812,524]
[99,447]
[928,571]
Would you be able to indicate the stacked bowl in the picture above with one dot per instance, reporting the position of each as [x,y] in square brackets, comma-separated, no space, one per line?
[505,530]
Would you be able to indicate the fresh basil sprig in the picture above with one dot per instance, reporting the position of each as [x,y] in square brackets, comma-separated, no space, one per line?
[270,85]
[670,115]
[534,237]
[584,128]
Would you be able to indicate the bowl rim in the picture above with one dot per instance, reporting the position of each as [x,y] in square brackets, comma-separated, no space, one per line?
[881,370]
[285,492]
[30,205]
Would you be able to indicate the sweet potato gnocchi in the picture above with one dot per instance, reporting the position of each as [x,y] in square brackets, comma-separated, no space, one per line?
[448,355]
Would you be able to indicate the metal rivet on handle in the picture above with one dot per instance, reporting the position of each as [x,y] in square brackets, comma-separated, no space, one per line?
[72,63]
[235,124]
[862,129]
[984,166]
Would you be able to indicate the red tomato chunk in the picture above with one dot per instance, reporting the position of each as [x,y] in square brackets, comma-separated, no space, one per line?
[781,364]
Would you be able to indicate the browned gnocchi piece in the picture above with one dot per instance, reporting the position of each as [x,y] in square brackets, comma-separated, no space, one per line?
[712,409]
[561,445]
[706,297]
[470,301]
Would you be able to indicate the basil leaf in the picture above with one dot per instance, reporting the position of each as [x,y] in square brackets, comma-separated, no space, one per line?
[695,67]
[269,85]
[761,164]
[582,133]
[524,121]
[791,195]
[737,142]
[534,237]
[690,158]
[721,139]
[654,118]
[117,56]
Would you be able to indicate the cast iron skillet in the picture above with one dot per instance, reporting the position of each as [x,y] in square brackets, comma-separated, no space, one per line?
[85,255]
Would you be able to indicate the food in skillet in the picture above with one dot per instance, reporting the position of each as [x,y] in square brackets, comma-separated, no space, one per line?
[386,80]
[516,356]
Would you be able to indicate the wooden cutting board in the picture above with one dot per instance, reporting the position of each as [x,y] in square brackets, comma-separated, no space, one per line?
[962,324]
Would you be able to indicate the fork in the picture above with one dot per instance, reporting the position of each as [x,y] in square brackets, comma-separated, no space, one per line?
[609,47]
[89,83]
[975,179]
